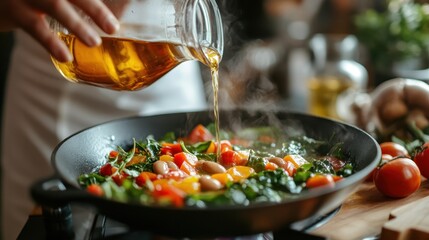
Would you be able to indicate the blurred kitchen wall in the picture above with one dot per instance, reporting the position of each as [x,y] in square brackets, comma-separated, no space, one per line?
[266,57]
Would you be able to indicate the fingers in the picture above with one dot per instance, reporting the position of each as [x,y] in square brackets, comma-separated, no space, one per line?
[100,14]
[35,24]
[66,13]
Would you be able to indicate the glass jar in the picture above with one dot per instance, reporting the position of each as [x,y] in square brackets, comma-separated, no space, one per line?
[154,37]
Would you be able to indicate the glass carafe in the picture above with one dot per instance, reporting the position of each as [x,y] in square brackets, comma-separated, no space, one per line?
[154,37]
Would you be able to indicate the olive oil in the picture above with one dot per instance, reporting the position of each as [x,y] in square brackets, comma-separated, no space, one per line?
[213,60]
[323,94]
[123,64]
[128,64]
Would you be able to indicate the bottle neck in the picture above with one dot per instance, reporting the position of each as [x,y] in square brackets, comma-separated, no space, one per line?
[202,29]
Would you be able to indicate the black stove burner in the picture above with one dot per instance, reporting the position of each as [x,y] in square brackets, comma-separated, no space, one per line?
[87,225]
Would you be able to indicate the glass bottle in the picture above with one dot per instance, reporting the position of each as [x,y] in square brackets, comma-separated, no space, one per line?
[335,71]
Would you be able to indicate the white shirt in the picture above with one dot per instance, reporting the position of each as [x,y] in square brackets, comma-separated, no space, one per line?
[42,108]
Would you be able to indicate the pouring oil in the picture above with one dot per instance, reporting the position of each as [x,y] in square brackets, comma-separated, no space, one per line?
[129,64]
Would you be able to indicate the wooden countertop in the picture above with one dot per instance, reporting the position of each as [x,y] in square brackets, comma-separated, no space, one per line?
[365,212]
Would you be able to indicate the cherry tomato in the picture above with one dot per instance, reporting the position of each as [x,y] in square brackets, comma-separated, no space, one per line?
[319,180]
[421,158]
[397,178]
[199,134]
[95,189]
[393,149]
[384,158]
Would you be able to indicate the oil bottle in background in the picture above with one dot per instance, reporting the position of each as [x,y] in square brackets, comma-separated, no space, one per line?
[335,71]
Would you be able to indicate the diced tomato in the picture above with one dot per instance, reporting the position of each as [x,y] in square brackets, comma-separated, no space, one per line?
[167,192]
[143,177]
[107,170]
[95,189]
[230,158]
[113,154]
[188,169]
[181,157]
[319,180]
[119,178]
[170,148]
[271,166]
[199,134]
[290,168]
[225,145]
[336,163]
[337,178]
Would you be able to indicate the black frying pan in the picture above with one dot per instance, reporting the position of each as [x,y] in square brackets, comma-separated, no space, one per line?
[85,150]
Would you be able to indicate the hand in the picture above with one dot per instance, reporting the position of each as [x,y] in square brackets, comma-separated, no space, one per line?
[30,15]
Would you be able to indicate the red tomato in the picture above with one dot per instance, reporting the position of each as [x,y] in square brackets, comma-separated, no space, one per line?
[188,169]
[181,157]
[393,149]
[170,148]
[199,134]
[113,154]
[289,167]
[143,177]
[384,158]
[95,189]
[397,178]
[119,178]
[320,180]
[225,145]
[421,158]
[107,169]
[170,193]
[230,158]
[336,163]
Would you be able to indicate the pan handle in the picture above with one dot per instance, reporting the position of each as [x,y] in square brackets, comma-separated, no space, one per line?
[53,193]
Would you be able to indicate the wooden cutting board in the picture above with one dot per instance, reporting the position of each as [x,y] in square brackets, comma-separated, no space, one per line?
[409,222]
[367,213]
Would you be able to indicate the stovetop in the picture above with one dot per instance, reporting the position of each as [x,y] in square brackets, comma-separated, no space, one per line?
[83,223]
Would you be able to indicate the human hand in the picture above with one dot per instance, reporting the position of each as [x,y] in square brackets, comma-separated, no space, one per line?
[30,15]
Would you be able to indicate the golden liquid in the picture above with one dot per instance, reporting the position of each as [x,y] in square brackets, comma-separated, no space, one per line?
[122,64]
[127,64]
[213,59]
[323,94]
